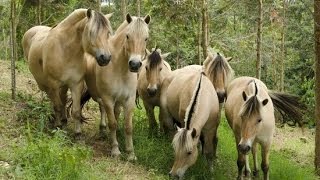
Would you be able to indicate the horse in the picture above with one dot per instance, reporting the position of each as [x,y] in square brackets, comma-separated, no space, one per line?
[56,57]
[192,102]
[115,85]
[150,77]
[249,109]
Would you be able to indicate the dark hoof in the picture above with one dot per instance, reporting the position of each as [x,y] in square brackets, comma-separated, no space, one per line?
[78,136]
[255,173]
[103,132]
[64,122]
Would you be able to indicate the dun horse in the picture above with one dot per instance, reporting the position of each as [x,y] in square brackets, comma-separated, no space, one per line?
[249,109]
[56,57]
[115,85]
[193,103]
[151,75]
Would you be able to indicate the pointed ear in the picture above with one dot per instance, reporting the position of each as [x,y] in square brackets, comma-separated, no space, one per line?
[148,52]
[89,13]
[264,102]
[229,59]
[193,133]
[108,16]
[163,56]
[147,19]
[176,127]
[129,18]
[244,96]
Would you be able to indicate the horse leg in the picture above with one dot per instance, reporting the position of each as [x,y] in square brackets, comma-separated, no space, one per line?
[76,91]
[103,123]
[153,126]
[112,123]
[63,97]
[240,164]
[265,161]
[247,171]
[255,160]
[128,113]
[166,120]
[208,148]
[54,95]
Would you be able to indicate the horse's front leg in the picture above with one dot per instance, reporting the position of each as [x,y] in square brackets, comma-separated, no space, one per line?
[153,125]
[103,123]
[63,97]
[112,123]
[54,95]
[265,160]
[208,147]
[255,160]
[128,113]
[76,91]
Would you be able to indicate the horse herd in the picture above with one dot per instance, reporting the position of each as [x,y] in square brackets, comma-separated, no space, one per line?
[83,55]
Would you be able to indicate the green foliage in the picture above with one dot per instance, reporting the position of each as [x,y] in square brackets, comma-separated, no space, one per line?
[51,157]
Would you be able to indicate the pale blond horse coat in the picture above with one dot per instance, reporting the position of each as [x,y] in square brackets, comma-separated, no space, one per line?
[249,109]
[56,57]
[193,103]
[115,85]
[150,78]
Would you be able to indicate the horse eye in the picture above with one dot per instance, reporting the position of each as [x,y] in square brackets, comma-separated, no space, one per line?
[127,37]
[160,68]
[259,120]
[146,39]
[189,152]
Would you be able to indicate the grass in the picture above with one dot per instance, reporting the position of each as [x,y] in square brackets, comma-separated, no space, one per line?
[35,151]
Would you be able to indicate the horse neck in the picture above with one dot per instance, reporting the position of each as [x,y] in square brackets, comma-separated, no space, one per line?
[73,18]
[119,52]
[165,72]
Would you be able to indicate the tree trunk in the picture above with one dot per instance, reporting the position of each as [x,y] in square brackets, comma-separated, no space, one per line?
[283,50]
[258,63]
[138,8]
[99,5]
[199,41]
[204,28]
[13,48]
[123,9]
[39,9]
[317,83]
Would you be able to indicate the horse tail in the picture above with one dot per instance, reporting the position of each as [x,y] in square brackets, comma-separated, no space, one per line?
[289,106]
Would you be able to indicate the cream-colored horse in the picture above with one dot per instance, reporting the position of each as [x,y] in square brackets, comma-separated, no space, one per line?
[56,57]
[150,77]
[249,109]
[192,102]
[115,85]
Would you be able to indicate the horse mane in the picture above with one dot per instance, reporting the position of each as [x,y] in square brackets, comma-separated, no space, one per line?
[101,22]
[182,140]
[219,65]
[137,25]
[76,16]
[191,108]
[154,59]
[252,105]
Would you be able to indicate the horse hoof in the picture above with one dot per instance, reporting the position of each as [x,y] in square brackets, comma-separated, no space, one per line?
[115,152]
[255,173]
[64,122]
[132,157]
[78,136]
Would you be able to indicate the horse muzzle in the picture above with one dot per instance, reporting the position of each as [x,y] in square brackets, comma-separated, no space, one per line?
[103,59]
[152,91]
[244,148]
[221,96]
[134,65]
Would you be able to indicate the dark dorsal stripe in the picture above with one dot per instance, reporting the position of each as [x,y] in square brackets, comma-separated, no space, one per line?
[255,86]
[192,108]
[154,58]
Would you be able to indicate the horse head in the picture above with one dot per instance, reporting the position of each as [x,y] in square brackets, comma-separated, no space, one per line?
[252,116]
[95,36]
[154,65]
[219,72]
[185,149]
[137,35]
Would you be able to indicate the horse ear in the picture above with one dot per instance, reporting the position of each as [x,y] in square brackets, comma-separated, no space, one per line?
[108,16]
[129,18]
[193,133]
[244,96]
[264,102]
[176,127]
[89,13]
[148,52]
[163,56]
[147,19]
[229,59]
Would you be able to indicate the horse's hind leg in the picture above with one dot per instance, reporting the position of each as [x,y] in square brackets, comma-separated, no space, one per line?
[208,148]
[128,113]
[63,97]
[103,123]
[54,95]
[265,161]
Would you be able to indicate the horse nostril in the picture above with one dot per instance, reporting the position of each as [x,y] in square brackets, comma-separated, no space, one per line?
[244,148]
[140,64]
[151,91]
[221,96]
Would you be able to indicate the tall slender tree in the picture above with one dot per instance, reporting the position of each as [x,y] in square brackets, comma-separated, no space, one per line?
[13,47]
[317,83]
[204,27]
[138,8]
[283,51]
[259,36]
[123,9]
